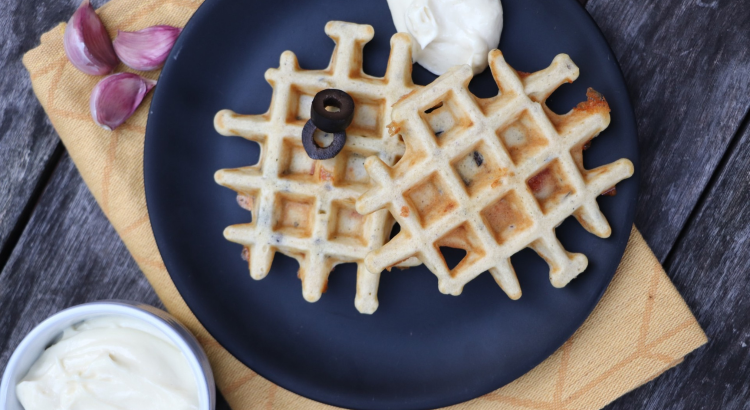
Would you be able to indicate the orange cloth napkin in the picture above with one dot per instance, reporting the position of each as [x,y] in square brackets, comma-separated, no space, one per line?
[641,327]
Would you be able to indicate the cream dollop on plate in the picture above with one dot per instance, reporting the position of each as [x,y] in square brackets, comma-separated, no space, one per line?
[449,32]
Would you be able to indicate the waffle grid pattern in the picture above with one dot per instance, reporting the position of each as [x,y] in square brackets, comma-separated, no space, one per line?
[305,208]
[533,176]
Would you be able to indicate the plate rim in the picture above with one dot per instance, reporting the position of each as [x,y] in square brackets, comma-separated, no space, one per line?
[204,8]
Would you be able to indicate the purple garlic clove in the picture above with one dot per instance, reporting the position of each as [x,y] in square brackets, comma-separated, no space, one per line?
[146,49]
[116,97]
[87,43]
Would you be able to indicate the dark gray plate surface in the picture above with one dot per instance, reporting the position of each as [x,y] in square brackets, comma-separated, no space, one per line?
[421,349]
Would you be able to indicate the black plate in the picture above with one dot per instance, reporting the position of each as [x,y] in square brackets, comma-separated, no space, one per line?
[421,349]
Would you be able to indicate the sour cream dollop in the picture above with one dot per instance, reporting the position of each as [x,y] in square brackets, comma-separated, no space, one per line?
[450,32]
[110,362]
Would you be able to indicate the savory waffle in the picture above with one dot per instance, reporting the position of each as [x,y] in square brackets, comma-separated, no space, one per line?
[491,176]
[305,208]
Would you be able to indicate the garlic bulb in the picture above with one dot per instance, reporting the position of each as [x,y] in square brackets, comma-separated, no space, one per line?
[87,43]
[146,49]
[116,97]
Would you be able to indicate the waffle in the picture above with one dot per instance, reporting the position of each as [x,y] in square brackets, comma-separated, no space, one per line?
[305,208]
[491,176]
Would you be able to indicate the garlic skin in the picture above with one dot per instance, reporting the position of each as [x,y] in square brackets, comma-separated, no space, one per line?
[87,43]
[146,49]
[116,97]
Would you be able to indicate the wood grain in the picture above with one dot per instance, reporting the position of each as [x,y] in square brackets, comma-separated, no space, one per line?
[29,146]
[68,254]
[711,269]
[687,66]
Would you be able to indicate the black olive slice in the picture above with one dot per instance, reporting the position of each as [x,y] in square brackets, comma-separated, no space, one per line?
[316,152]
[332,121]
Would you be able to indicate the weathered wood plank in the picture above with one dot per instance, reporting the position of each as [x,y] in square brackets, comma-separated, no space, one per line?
[687,66]
[29,146]
[68,254]
[710,266]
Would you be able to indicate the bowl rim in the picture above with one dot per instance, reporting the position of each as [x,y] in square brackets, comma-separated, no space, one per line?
[158,318]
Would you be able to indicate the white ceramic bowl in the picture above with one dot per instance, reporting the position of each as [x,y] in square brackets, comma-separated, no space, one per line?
[45,333]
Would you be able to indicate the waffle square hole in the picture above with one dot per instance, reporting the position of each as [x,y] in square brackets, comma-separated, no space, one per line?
[353,168]
[446,119]
[478,169]
[550,186]
[300,101]
[506,217]
[346,224]
[522,138]
[368,113]
[450,245]
[293,215]
[295,163]
[431,200]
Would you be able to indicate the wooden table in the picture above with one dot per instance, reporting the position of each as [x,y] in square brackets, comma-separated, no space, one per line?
[687,66]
